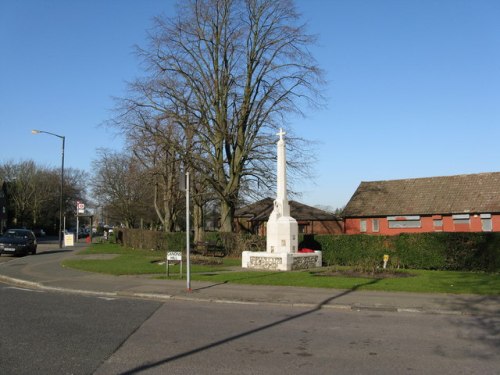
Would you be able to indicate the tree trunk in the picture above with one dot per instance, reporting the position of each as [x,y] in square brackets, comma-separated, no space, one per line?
[226,216]
[199,230]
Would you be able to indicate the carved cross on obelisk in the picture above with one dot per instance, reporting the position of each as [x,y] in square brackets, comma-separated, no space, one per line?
[282,229]
[281,191]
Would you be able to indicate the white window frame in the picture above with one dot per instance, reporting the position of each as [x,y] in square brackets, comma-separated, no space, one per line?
[404,222]
[362,225]
[486,223]
[461,219]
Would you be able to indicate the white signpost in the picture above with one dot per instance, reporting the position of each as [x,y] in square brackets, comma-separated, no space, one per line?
[80,209]
[174,256]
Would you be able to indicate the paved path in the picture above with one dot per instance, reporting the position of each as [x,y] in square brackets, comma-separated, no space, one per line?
[44,271]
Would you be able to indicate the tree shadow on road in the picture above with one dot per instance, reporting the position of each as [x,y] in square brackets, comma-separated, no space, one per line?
[482,322]
[246,333]
[55,251]
[232,280]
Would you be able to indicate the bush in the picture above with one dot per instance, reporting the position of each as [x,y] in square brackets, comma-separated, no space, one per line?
[429,251]
[233,243]
[473,251]
[153,240]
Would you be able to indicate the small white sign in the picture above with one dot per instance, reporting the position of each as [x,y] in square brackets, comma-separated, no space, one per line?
[81,208]
[69,240]
[174,255]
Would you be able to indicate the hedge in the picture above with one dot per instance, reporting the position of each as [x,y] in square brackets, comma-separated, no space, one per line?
[234,244]
[430,251]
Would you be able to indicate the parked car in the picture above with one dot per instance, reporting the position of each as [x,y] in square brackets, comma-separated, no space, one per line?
[39,232]
[18,242]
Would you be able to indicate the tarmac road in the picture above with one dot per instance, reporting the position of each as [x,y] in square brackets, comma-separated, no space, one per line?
[225,328]
[59,333]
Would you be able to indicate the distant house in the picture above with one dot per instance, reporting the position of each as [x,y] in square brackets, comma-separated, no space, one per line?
[463,203]
[311,220]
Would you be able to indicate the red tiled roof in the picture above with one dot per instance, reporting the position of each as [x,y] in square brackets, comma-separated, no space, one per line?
[472,193]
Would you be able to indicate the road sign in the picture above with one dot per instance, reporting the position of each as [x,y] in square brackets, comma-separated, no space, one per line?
[173,256]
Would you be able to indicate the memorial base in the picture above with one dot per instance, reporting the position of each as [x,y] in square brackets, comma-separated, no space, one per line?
[261,260]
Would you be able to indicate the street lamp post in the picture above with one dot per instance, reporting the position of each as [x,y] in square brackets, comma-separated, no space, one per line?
[62,182]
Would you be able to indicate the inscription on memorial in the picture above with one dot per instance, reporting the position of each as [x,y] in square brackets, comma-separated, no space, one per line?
[266,263]
[301,263]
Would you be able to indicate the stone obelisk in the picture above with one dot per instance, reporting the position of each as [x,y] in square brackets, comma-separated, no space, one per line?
[282,229]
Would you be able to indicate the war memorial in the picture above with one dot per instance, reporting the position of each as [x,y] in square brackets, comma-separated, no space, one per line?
[282,250]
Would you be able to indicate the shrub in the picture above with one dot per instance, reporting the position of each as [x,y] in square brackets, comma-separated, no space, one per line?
[432,251]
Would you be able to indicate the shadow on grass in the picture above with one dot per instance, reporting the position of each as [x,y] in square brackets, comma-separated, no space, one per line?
[214,344]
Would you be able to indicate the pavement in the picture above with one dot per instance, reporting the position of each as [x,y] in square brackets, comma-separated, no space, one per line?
[44,271]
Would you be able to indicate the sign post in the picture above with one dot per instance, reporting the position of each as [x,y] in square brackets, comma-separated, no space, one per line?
[80,209]
[174,256]
[188,264]
[386,259]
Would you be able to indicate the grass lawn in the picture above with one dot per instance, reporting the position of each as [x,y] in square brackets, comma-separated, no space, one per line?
[421,281]
[134,262]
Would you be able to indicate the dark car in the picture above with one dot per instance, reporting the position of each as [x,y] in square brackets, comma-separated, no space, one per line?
[18,242]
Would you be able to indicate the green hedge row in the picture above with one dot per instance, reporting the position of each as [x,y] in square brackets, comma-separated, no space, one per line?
[234,244]
[432,251]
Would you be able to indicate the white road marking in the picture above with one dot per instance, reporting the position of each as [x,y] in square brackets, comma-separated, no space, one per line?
[24,289]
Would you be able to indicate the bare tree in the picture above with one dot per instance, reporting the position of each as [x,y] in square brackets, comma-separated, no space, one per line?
[33,193]
[119,185]
[228,72]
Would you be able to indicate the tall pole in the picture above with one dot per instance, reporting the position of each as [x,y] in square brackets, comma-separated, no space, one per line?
[61,195]
[188,266]
[62,182]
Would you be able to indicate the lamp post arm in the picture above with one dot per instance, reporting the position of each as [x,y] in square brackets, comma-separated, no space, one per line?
[43,131]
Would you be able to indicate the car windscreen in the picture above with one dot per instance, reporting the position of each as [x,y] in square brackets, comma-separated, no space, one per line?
[15,234]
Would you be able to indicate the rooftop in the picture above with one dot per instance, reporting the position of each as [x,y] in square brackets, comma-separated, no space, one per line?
[468,193]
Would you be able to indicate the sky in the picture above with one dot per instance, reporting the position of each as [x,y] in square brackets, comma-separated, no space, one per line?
[413,86]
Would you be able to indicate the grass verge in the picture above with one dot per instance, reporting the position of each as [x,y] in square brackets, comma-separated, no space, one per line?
[144,262]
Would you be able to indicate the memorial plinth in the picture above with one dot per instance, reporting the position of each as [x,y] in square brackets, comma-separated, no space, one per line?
[282,231]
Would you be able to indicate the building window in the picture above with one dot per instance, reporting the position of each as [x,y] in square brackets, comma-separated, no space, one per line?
[462,219]
[362,225]
[375,225]
[486,223]
[438,223]
[396,222]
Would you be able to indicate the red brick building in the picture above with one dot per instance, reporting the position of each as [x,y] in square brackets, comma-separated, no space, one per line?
[462,203]
[311,220]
